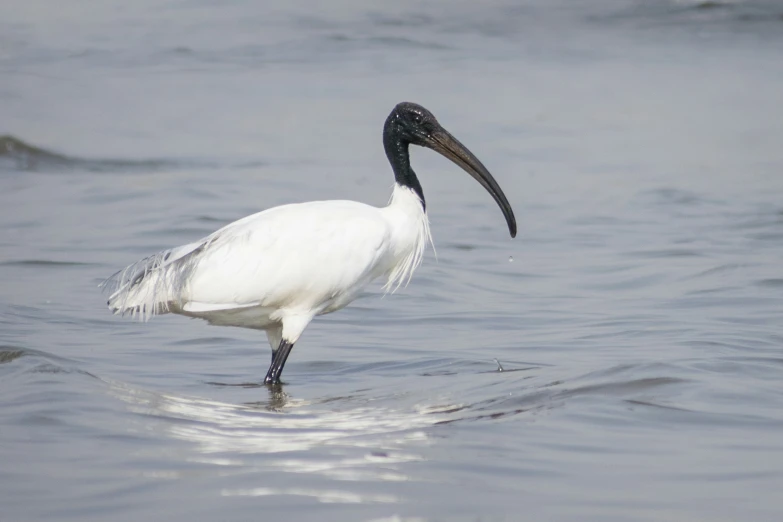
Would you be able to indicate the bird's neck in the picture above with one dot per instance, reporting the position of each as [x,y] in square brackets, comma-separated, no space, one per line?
[410,234]
[397,153]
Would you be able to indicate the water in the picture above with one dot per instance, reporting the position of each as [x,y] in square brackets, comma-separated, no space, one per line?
[638,328]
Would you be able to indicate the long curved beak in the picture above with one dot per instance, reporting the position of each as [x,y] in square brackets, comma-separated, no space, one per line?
[442,142]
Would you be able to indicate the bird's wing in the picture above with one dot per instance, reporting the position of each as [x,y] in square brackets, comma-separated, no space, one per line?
[293,256]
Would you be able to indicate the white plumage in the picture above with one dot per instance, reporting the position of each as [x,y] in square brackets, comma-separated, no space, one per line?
[277,269]
[235,276]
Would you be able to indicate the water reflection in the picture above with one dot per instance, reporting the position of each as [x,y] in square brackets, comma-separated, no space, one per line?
[344,443]
[324,496]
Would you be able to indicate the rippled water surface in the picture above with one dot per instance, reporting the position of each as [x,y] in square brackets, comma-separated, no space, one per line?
[637,318]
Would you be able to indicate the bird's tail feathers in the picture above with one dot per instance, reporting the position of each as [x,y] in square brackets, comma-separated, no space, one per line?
[152,285]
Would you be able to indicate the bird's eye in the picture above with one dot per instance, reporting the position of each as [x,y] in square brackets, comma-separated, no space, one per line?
[417,118]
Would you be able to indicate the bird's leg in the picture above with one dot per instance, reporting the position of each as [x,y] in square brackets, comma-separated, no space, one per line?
[279,357]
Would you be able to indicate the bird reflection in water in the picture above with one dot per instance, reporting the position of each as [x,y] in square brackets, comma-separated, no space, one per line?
[346,441]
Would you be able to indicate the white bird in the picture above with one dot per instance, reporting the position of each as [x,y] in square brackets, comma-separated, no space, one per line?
[278,269]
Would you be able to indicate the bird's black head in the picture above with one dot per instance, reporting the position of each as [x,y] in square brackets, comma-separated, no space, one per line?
[410,123]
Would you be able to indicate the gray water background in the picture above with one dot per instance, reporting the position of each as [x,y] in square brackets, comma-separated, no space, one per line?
[638,315]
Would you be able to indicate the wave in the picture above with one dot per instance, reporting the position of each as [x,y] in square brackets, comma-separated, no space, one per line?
[16,154]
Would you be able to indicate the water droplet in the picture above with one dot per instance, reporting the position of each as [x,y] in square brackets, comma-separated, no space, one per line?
[510,259]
